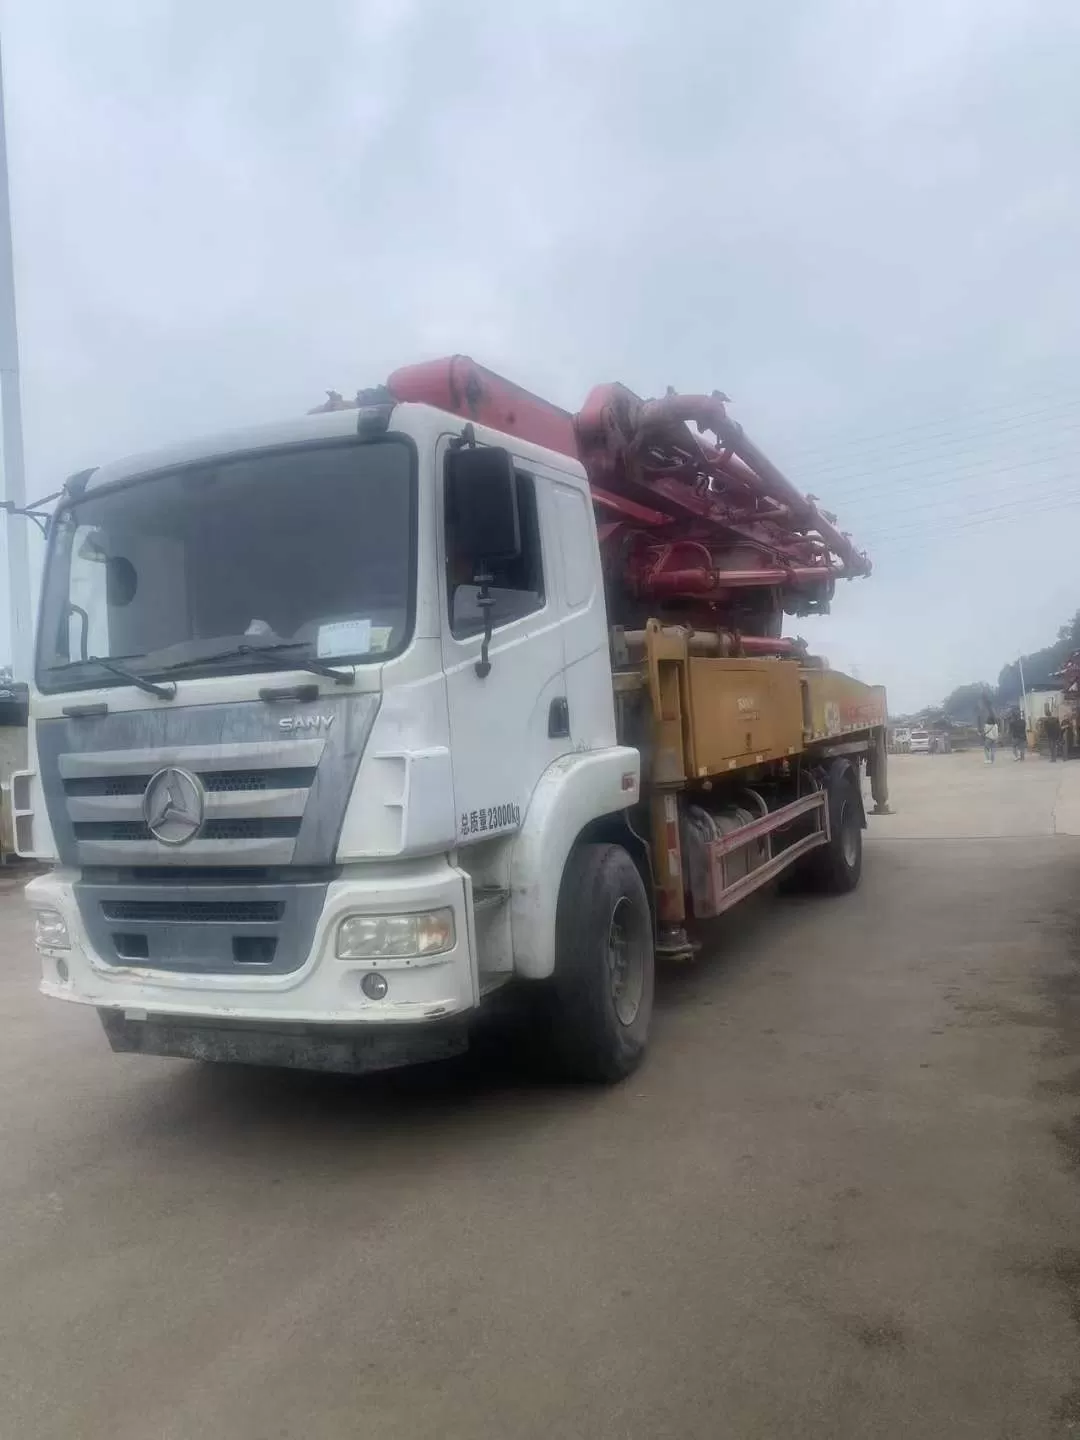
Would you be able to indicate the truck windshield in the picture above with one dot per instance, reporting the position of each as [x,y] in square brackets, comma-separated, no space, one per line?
[196,568]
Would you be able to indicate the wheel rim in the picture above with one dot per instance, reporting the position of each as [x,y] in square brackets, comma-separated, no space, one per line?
[849,836]
[626,962]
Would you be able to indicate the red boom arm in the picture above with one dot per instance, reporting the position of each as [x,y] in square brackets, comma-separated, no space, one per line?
[709,528]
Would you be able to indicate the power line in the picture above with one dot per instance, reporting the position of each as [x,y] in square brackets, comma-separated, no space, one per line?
[910,458]
[946,478]
[977,485]
[1036,492]
[939,524]
[946,422]
[864,523]
[1004,515]
[932,530]
[1020,504]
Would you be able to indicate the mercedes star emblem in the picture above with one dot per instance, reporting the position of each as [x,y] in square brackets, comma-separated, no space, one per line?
[173,805]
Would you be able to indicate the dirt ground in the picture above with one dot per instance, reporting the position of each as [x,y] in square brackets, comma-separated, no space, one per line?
[839,1200]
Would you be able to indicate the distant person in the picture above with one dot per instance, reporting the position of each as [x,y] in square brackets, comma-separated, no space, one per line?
[1018,734]
[990,740]
[1053,736]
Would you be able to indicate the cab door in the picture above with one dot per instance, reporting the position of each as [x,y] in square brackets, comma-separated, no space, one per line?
[509,725]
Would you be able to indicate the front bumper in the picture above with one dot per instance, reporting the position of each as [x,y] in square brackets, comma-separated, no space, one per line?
[339,1049]
[321,990]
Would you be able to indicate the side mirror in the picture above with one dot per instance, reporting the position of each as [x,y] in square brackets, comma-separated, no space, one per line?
[483,504]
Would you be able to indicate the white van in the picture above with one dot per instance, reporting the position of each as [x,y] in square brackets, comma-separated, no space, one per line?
[920,742]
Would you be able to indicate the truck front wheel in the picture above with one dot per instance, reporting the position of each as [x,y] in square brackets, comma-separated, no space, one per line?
[604,965]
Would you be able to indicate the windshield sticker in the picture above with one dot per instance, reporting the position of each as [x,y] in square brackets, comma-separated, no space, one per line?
[380,638]
[344,637]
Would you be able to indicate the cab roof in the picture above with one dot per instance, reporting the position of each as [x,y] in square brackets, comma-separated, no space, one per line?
[419,420]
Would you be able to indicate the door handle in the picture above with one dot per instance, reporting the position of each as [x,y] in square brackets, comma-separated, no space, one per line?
[301,694]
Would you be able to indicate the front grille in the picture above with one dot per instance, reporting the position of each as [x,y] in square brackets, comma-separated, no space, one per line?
[268,828]
[210,875]
[107,785]
[177,912]
[195,876]
[110,830]
[209,929]
[272,828]
[223,781]
[260,791]
[214,782]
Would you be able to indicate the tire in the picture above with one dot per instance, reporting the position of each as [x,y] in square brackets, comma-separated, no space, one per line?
[835,868]
[604,966]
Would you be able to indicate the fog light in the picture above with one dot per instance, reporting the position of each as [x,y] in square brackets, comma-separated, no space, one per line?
[62,971]
[50,932]
[374,985]
[395,937]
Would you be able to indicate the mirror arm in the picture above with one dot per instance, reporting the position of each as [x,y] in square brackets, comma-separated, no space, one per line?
[74,609]
[484,600]
[30,511]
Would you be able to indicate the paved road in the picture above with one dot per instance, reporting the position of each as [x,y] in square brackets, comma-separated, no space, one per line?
[840,1200]
[961,797]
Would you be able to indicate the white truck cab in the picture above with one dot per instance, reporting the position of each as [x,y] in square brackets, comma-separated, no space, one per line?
[299,808]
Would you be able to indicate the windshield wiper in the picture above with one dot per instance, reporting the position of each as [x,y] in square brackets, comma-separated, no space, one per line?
[163,692]
[271,654]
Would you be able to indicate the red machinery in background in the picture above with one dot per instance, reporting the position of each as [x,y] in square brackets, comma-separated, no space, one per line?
[1069,711]
[699,531]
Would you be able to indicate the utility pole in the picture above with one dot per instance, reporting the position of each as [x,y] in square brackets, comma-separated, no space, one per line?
[18,556]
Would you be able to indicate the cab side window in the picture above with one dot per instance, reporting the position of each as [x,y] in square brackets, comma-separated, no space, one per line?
[517,586]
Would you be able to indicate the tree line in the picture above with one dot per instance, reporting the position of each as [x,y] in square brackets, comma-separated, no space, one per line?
[968,704]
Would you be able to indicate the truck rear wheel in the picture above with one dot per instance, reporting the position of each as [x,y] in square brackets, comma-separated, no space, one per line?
[604,965]
[836,867]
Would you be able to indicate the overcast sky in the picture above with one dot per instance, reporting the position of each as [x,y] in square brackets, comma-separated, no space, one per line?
[861,220]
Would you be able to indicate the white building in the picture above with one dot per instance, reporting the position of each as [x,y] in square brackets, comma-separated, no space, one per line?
[1042,700]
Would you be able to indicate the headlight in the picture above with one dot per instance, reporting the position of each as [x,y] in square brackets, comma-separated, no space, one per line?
[389,937]
[50,932]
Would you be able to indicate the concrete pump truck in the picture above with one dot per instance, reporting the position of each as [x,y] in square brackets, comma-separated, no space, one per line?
[342,724]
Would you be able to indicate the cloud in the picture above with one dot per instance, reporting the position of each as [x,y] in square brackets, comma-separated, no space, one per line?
[849,217]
